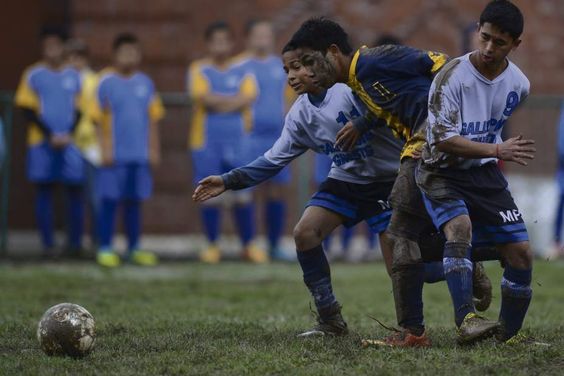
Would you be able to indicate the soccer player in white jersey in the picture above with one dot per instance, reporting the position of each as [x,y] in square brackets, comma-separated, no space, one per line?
[464,191]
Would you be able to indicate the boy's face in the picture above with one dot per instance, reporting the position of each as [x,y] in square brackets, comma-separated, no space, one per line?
[220,44]
[494,45]
[299,77]
[261,38]
[127,57]
[77,61]
[53,49]
[321,68]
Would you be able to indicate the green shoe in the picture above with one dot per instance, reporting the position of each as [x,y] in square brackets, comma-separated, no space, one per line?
[330,322]
[144,258]
[108,259]
[476,328]
[521,339]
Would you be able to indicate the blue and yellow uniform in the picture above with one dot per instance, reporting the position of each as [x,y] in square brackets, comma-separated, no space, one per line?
[269,108]
[54,96]
[393,81]
[124,108]
[215,138]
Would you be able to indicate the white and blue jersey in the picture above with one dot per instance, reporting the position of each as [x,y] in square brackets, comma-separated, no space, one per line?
[462,102]
[359,181]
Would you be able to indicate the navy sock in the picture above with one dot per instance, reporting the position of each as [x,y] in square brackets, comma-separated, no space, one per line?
[106,222]
[245,220]
[275,215]
[434,272]
[317,277]
[458,274]
[371,239]
[347,235]
[516,294]
[44,214]
[327,242]
[75,217]
[559,220]
[132,224]
[407,282]
[211,219]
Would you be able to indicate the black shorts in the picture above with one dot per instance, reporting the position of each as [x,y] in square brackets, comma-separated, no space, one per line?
[480,192]
[356,202]
[409,218]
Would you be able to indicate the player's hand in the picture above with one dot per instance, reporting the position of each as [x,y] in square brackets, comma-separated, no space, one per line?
[207,188]
[347,137]
[517,150]
[59,141]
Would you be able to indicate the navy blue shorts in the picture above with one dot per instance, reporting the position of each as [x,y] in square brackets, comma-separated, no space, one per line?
[356,202]
[48,165]
[480,192]
[129,181]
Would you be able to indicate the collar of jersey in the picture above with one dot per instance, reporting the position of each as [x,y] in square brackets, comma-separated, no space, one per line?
[352,68]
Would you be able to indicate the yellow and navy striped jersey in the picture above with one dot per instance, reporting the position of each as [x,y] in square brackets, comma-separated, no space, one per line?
[393,81]
[205,78]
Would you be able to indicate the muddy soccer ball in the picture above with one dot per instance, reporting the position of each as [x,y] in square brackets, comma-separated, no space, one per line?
[66,329]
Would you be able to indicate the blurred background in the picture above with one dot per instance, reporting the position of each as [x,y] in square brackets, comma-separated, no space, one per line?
[171,37]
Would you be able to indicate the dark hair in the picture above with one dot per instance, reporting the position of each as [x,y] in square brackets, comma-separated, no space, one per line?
[386,39]
[216,26]
[77,47]
[249,26]
[505,15]
[124,38]
[53,31]
[319,33]
[288,47]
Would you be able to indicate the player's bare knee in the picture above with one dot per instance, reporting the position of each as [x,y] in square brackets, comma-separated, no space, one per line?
[459,229]
[306,236]
[518,255]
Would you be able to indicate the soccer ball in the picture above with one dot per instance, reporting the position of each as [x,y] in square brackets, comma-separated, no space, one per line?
[66,329]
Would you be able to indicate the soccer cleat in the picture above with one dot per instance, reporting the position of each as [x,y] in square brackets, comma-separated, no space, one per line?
[255,254]
[330,322]
[211,255]
[520,339]
[144,258]
[476,328]
[482,287]
[400,338]
[108,259]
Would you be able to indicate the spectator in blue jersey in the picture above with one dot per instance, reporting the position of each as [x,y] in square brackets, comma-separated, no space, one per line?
[222,93]
[49,94]
[127,110]
[268,114]
[558,243]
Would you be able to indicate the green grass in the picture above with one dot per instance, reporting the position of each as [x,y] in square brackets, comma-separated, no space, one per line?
[236,319]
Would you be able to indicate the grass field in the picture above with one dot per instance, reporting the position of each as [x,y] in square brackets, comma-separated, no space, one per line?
[189,318]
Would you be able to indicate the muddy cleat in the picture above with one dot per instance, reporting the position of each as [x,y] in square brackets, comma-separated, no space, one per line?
[211,255]
[476,328]
[108,259]
[482,287]
[400,338]
[521,339]
[331,324]
[144,258]
[255,254]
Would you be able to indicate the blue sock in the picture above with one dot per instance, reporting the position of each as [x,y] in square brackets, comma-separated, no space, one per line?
[516,294]
[347,235]
[275,216]
[434,272]
[132,224]
[559,220]
[458,274]
[75,217]
[44,214]
[371,239]
[245,220]
[327,242]
[106,224]
[211,219]
[317,277]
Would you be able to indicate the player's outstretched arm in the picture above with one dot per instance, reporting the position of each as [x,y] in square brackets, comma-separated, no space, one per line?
[209,187]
